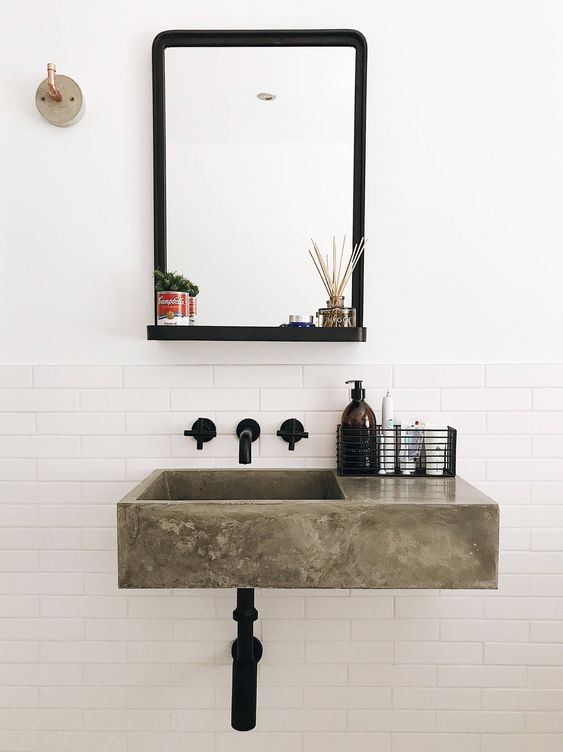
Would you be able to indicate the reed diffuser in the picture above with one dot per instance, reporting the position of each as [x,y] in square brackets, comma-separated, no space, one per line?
[336,314]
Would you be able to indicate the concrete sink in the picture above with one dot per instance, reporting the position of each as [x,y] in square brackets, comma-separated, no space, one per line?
[305,529]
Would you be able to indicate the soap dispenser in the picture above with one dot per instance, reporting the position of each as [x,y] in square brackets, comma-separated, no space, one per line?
[358,414]
[357,436]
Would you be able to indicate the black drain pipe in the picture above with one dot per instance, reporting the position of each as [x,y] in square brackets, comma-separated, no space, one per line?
[246,652]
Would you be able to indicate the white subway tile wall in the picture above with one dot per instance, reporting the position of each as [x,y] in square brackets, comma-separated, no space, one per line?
[85,666]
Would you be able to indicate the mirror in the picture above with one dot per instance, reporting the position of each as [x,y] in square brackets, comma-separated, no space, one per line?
[257,152]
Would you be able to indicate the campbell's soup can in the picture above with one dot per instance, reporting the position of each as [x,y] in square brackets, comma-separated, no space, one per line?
[175,309]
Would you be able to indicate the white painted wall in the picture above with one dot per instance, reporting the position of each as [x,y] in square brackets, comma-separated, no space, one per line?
[464,188]
[464,179]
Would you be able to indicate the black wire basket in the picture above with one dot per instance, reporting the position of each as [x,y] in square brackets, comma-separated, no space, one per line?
[399,451]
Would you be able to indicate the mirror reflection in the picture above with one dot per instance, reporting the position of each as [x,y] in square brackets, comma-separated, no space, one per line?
[259,160]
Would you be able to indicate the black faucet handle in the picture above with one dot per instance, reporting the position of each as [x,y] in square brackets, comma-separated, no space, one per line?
[292,431]
[203,430]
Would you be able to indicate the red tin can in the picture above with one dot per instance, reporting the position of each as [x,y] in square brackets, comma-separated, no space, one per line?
[172,308]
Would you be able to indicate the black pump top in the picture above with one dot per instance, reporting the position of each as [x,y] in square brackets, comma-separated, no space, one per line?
[358,392]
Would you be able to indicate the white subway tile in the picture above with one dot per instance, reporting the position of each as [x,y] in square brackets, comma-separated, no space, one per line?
[38,400]
[83,697]
[15,377]
[436,698]
[39,446]
[167,377]
[525,469]
[479,721]
[394,720]
[464,422]
[19,741]
[296,675]
[126,719]
[378,675]
[475,630]
[171,652]
[309,719]
[547,584]
[536,742]
[523,699]
[545,677]
[436,742]
[349,741]
[81,469]
[545,492]
[548,399]
[548,446]
[350,608]
[16,423]
[271,741]
[214,399]
[18,469]
[199,719]
[439,653]
[181,607]
[125,446]
[128,629]
[170,697]
[525,654]
[438,607]
[348,652]
[547,539]
[257,376]
[80,423]
[78,377]
[487,398]
[439,376]
[18,561]
[494,446]
[85,741]
[525,422]
[542,722]
[79,607]
[125,675]
[83,652]
[124,400]
[529,374]
[18,697]
[546,631]
[337,375]
[482,676]
[41,583]
[304,399]
[347,697]
[395,630]
[20,514]
[306,630]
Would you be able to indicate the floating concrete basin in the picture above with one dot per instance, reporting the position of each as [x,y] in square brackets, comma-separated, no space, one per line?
[305,529]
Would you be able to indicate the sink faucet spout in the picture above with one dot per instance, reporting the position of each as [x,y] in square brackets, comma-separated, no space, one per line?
[248,431]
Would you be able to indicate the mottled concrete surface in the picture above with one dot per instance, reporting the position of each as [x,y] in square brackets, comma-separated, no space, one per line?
[305,529]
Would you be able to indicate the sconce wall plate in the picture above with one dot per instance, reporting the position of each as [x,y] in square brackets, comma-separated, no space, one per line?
[64,108]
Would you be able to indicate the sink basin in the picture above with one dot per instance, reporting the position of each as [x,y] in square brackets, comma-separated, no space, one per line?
[242,485]
[305,529]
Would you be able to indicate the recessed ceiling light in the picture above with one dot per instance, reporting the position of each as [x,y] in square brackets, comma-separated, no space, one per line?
[266,97]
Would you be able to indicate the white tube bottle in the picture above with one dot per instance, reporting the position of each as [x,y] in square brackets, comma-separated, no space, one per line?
[387,435]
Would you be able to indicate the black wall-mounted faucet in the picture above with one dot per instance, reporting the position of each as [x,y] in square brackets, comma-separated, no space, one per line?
[203,430]
[248,431]
[292,431]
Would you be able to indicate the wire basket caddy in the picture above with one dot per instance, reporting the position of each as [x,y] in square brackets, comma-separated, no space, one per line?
[398,451]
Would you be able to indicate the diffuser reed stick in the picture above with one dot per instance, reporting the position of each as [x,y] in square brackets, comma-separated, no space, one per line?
[333,279]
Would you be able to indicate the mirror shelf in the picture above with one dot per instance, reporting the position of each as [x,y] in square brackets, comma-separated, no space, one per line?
[259,144]
[258,333]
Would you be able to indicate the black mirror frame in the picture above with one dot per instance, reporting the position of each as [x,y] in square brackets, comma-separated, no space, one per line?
[264,38]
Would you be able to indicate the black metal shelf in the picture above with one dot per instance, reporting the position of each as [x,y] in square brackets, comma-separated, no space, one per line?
[258,333]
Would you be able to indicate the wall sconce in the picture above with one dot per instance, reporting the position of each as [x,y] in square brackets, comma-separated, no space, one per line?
[59,99]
